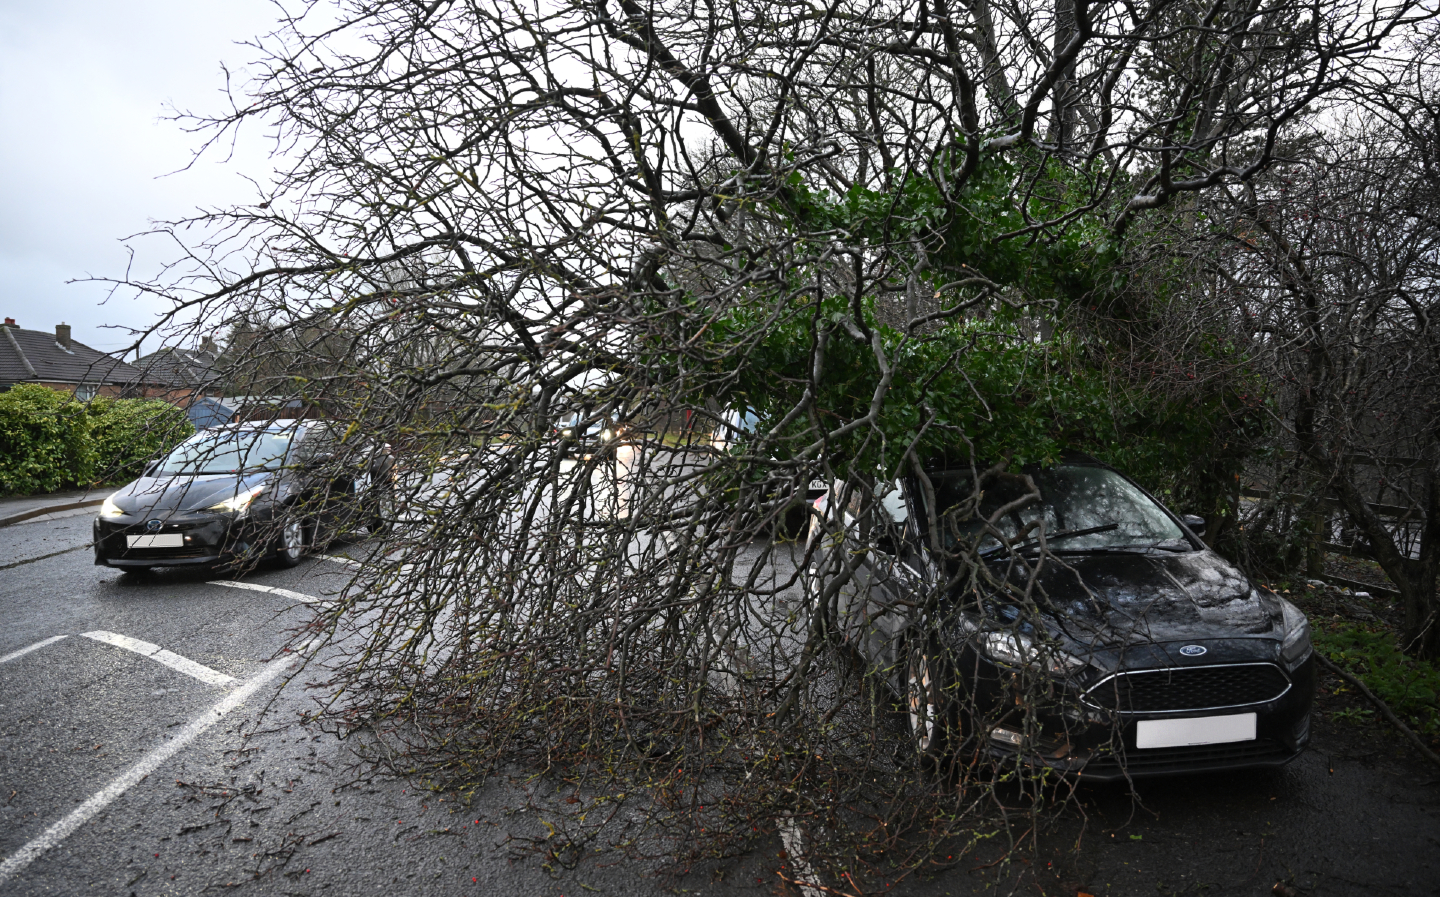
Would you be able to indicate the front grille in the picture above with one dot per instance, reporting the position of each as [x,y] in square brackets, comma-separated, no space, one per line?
[1189,688]
[148,554]
[1204,756]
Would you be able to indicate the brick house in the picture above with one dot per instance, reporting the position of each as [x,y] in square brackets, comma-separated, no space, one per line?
[60,362]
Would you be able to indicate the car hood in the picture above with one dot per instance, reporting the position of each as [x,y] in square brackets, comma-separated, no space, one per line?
[1154,597]
[162,495]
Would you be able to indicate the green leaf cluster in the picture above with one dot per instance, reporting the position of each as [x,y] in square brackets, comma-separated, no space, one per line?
[986,225]
[49,440]
[980,384]
[1411,687]
[975,384]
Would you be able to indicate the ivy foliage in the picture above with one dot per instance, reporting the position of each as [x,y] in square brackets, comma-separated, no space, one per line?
[980,390]
[979,385]
[50,441]
[982,227]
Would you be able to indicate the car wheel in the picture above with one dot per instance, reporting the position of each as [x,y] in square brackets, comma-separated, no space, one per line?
[928,710]
[384,515]
[290,544]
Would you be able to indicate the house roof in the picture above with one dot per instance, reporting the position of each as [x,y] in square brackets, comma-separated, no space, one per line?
[35,356]
[187,368]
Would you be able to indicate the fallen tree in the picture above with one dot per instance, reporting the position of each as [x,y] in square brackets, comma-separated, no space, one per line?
[861,222]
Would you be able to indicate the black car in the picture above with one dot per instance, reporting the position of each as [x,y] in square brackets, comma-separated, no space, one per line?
[586,432]
[1125,647]
[245,491]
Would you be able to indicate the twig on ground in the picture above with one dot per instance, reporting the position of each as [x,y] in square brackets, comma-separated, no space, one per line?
[1384,707]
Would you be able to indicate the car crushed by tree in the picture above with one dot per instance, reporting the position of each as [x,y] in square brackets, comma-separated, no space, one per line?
[1096,636]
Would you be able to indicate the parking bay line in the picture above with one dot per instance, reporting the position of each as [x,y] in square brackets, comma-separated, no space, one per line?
[283,593]
[160,655]
[793,841]
[132,776]
[35,647]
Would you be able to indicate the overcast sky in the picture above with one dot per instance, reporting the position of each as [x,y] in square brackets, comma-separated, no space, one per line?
[84,147]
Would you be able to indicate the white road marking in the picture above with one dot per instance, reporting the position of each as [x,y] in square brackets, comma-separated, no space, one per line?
[794,842]
[35,647]
[336,559]
[132,776]
[160,655]
[283,593]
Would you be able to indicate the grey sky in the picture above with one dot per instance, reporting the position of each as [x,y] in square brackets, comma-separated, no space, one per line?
[84,86]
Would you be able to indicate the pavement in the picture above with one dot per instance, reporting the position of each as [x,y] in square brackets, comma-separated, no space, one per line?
[52,505]
[154,742]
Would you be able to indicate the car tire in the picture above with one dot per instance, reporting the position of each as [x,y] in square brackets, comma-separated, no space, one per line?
[290,544]
[929,705]
[383,515]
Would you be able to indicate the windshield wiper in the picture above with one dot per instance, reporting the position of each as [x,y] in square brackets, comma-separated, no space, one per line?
[1088,531]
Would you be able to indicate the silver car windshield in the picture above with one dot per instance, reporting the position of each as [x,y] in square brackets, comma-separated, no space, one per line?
[1081,508]
[229,452]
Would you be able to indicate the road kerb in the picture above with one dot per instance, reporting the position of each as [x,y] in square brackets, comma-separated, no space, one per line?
[51,509]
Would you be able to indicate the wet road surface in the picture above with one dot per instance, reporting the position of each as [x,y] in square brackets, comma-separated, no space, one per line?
[283,810]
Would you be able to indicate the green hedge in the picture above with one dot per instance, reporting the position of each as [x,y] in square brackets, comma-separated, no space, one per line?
[129,432]
[50,441]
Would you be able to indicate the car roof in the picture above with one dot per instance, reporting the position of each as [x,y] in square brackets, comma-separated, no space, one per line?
[288,425]
[1066,457]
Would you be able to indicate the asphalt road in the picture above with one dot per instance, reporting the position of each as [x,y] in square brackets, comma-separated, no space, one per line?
[269,805]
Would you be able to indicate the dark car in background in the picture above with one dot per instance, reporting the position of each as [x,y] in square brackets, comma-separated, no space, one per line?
[245,491]
[1149,652]
[585,431]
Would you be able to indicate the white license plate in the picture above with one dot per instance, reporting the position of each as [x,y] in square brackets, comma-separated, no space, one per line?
[1162,733]
[164,540]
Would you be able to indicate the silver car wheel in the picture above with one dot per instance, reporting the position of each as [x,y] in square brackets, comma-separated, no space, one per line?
[920,695]
[292,540]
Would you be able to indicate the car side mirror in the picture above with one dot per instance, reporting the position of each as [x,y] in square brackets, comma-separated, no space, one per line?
[321,459]
[151,468]
[1195,523]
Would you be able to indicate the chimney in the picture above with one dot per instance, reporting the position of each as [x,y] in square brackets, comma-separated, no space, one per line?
[9,322]
[62,334]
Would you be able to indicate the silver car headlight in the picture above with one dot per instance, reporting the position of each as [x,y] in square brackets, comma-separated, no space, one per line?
[1021,650]
[1296,645]
[240,504]
[108,508]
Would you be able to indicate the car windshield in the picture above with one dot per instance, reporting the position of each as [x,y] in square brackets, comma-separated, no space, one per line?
[228,452]
[1081,508]
[744,421]
[569,423]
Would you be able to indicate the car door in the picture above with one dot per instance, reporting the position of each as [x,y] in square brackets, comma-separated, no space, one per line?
[329,480]
[874,608]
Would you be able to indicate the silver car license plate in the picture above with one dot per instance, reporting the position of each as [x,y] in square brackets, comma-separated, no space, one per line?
[164,540]
[1162,733]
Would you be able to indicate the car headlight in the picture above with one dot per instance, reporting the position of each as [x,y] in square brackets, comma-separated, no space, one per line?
[240,503]
[1296,645]
[108,508]
[1021,650]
